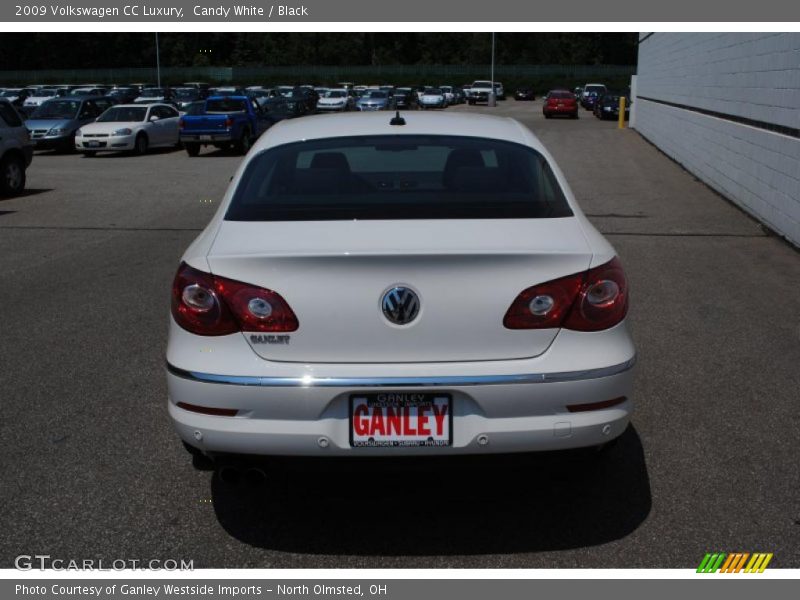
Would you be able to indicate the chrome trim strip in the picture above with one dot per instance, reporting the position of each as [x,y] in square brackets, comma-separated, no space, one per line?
[373,382]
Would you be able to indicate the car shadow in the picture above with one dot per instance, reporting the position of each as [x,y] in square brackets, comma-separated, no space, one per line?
[441,506]
[215,152]
[27,192]
[127,154]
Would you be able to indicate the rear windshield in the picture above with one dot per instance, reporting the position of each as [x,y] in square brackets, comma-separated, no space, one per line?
[186,93]
[562,95]
[397,177]
[226,105]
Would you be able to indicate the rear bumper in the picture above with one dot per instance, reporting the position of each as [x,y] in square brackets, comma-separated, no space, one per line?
[560,110]
[206,138]
[302,415]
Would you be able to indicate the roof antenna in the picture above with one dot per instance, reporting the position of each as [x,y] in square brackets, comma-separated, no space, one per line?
[397,119]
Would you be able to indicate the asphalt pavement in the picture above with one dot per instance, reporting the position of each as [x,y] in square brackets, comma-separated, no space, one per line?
[91,468]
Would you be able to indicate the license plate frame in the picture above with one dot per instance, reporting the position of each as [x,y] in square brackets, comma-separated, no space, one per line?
[399,400]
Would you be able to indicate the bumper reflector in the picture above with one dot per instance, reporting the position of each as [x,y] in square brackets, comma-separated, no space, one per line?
[595,405]
[207,410]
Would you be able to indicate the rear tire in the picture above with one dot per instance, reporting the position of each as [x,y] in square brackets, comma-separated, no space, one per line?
[192,149]
[12,176]
[243,144]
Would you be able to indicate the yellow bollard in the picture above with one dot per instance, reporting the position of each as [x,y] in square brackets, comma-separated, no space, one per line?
[621,112]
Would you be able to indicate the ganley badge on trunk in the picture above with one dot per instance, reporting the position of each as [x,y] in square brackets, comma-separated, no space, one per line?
[400,305]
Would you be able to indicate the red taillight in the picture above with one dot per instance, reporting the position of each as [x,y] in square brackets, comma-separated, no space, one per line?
[210,305]
[229,122]
[595,405]
[591,301]
[207,410]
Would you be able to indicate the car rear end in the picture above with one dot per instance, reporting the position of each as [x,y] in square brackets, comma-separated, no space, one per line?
[560,103]
[218,124]
[608,106]
[398,290]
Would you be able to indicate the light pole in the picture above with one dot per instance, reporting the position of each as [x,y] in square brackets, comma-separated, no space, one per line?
[492,98]
[158,63]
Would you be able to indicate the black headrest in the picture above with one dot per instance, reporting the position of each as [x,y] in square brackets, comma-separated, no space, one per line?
[330,160]
[478,180]
[463,157]
[458,159]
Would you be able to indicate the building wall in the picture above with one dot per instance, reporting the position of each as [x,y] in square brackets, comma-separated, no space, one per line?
[726,106]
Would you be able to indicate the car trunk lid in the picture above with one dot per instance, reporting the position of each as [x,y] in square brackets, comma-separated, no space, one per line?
[466,274]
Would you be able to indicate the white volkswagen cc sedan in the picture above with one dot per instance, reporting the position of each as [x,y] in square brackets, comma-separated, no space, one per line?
[386,285]
[129,127]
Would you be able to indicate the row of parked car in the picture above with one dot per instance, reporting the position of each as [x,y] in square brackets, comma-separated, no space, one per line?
[603,103]
[69,117]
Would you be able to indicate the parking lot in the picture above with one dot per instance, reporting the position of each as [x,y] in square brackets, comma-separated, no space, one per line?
[92,467]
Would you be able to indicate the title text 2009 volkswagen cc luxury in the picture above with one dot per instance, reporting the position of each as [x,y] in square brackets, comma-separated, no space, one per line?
[379,285]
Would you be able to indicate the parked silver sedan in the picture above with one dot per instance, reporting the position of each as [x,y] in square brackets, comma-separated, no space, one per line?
[375,100]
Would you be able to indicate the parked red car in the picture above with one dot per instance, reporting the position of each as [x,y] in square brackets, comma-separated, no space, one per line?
[560,102]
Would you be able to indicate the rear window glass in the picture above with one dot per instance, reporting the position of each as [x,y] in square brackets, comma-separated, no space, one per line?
[226,105]
[562,95]
[397,177]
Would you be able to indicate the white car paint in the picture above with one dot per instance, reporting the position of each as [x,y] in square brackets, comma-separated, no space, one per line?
[335,100]
[159,125]
[431,98]
[510,388]
[38,98]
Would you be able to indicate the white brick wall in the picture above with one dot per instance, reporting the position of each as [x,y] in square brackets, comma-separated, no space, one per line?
[750,75]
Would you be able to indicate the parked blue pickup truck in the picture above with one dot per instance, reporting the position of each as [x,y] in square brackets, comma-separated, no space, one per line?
[227,121]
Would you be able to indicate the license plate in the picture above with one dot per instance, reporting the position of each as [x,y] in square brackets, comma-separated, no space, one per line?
[394,419]
[205,138]
[93,144]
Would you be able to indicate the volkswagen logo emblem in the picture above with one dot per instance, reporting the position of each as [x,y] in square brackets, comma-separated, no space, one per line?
[400,305]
